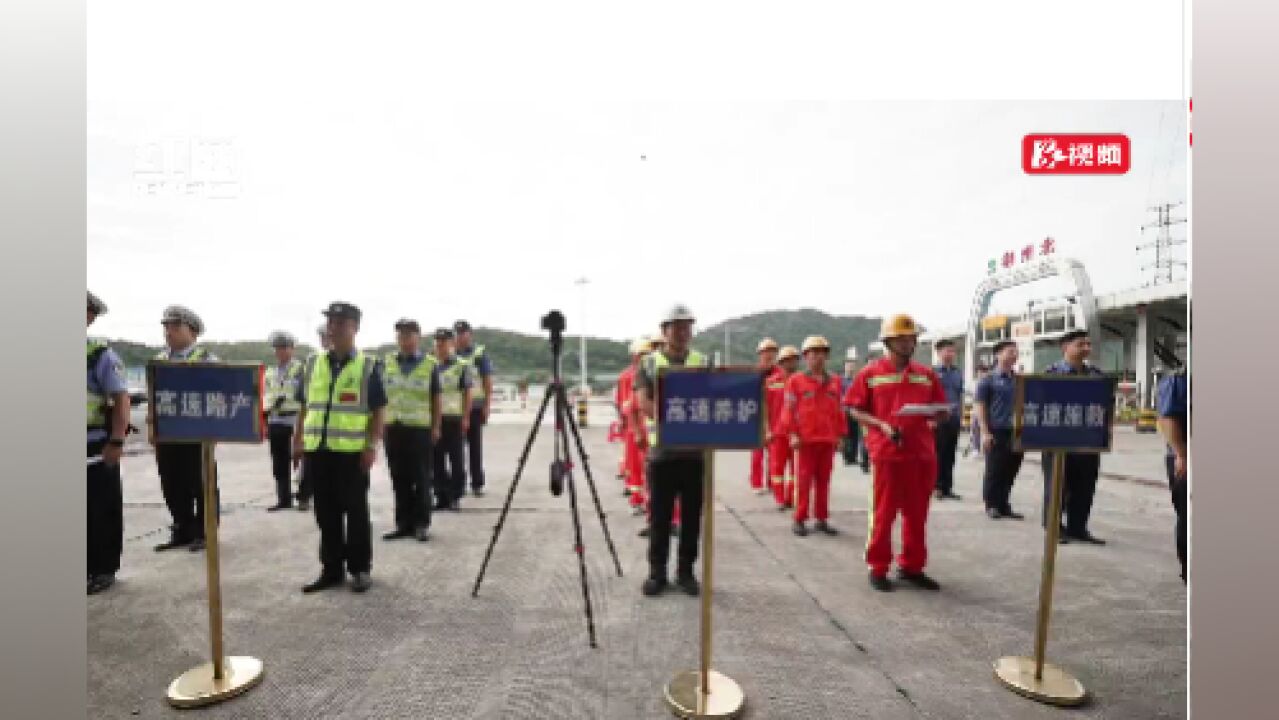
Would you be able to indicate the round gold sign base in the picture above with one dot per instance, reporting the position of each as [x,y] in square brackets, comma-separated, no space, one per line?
[725,700]
[1057,687]
[196,687]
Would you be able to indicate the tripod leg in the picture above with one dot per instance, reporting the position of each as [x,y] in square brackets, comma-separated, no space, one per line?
[561,440]
[590,483]
[510,494]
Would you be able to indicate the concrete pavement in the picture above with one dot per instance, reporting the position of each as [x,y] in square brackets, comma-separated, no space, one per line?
[795,622]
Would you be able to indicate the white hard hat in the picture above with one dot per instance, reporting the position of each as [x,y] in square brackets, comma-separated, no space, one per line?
[677,313]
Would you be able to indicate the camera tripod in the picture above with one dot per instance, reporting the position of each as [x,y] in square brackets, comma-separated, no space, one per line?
[561,471]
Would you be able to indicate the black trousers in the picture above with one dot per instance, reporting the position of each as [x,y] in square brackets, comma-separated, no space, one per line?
[946,436]
[1002,466]
[669,479]
[1178,490]
[475,448]
[104,498]
[181,481]
[450,473]
[1080,486]
[280,438]
[409,457]
[342,511]
[850,445]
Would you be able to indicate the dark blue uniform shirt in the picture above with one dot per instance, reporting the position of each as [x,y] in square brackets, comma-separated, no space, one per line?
[996,392]
[1172,402]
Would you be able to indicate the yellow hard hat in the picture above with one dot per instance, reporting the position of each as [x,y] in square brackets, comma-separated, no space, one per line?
[766,344]
[815,342]
[898,326]
[788,352]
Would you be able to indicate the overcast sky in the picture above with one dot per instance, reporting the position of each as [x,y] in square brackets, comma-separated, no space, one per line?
[352,185]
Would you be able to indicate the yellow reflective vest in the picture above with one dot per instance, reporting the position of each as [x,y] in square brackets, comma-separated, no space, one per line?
[337,408]
[408,396]
[282,386]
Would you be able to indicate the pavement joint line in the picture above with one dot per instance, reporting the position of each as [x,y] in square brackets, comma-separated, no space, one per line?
[829,615]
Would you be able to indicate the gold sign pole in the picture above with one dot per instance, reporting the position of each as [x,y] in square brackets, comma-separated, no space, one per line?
[1033,677]
[705,693]
[224,677]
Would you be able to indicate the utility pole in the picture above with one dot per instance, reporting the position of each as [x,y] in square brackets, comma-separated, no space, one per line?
[1163,243]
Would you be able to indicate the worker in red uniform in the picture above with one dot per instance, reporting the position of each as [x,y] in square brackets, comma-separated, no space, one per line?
[635,435]
[814,423]
[781,456]
[621,398]
[902,451]
[767,352]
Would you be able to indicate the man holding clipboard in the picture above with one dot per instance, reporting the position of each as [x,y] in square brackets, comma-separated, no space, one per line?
[894,397]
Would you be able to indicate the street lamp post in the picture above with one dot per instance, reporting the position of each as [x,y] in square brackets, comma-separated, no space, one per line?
[582,283]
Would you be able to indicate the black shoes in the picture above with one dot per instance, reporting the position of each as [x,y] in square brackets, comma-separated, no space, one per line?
[918,579]
[423,534]
[800,529]
[477,492]
[994,514]
[197,545]
[654,586]
[644,531]
[98,583]
[173,542]
[441,505]
[880,582]
[823,527]
[1008,513]
[398,534]
[361,582]
[688,584]
[324,582]
[304,505]
[946,495]
[277,507]
[1087,537]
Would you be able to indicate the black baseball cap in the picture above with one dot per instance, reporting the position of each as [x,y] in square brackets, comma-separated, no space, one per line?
[443,334]
[999,346]
[408,324]
[461,326]
[341,309]
[948,343]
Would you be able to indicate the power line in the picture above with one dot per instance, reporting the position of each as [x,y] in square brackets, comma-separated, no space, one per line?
[1165,261]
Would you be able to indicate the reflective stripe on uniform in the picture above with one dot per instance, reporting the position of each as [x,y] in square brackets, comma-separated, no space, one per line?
[278,386]
[96,405]
[473,360]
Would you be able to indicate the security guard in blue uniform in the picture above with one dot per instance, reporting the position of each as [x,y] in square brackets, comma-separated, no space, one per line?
[1173,406]
[281,405]
[181,464]
[481,400]
[108,422]
[455,399]
[412,427]
[1082,469]
[338,430]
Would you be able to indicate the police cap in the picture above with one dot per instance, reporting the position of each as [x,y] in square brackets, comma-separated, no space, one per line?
[96,305]
[344,310]
[443,334]
[461,326]
[182,315]
[280,338]
[408,324]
